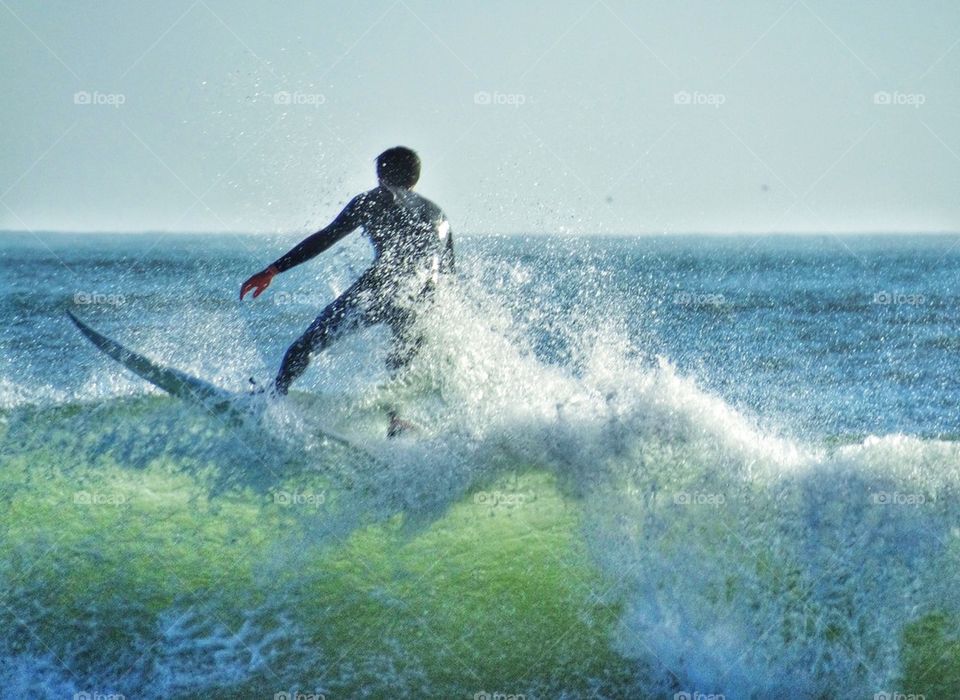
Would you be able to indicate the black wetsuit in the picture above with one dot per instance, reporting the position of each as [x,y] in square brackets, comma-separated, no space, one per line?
[413,246]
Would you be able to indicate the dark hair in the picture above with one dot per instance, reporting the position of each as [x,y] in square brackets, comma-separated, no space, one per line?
[398,167]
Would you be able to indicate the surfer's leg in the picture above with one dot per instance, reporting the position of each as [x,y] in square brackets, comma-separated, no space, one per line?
[405,345]
[341,316]
[402,317]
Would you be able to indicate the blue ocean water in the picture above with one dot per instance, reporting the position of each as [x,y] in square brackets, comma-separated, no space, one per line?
[648,466]
[817,336]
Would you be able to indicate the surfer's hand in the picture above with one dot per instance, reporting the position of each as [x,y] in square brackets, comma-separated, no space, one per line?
[258,282]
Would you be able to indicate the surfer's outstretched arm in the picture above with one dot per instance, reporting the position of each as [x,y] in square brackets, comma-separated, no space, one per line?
[311,246]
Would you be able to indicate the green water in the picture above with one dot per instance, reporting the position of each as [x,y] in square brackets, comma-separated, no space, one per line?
[499,598]
[159,572]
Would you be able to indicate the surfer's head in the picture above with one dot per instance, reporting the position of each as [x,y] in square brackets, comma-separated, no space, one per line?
[398,167]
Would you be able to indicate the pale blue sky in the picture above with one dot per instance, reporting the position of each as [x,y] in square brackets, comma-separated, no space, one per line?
[549,116]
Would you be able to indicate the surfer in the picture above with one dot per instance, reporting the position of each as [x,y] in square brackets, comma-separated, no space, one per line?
[412,246]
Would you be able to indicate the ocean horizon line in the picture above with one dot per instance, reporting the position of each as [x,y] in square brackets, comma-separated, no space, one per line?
[491,234]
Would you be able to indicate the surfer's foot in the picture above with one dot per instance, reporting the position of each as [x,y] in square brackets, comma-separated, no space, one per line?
[398,426]
[270,391]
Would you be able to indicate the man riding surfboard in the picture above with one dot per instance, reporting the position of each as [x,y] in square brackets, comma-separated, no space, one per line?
[413,246]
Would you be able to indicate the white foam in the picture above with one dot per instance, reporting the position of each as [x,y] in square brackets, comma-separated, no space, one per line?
[750,564]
